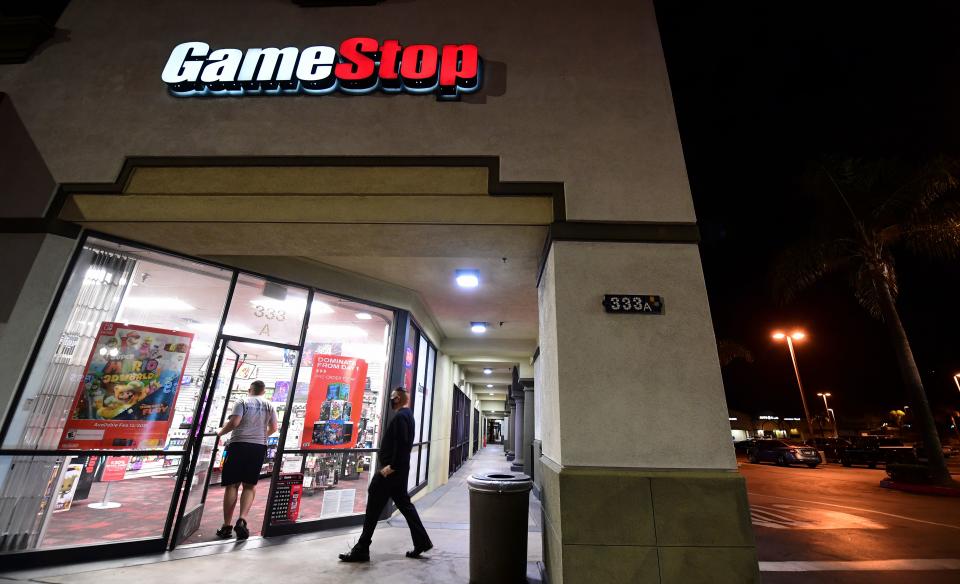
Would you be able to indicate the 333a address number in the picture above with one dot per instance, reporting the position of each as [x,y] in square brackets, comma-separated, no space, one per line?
[633,304]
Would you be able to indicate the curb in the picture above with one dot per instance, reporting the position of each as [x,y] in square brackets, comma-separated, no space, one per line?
[921,489]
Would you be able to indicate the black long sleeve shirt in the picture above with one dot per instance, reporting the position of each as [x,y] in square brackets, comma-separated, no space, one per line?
[398,441]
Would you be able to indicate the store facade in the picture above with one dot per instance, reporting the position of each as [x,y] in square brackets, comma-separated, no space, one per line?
[558,170]
[146,352]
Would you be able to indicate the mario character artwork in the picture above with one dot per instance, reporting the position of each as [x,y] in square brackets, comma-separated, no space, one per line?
[129,387]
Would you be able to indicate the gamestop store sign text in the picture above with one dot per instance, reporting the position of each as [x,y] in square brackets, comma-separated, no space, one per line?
[362,65]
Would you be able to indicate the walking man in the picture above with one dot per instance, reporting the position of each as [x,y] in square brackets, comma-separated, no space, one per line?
[391,482]
[252,420]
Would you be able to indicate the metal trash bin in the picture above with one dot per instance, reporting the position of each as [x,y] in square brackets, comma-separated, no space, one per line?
[499,506]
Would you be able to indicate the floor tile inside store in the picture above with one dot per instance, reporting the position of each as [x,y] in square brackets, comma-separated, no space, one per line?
[313,557]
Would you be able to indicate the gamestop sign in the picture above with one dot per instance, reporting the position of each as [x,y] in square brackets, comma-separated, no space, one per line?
[360,65]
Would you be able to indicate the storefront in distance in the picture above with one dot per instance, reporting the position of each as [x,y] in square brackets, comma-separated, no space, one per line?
[557,175]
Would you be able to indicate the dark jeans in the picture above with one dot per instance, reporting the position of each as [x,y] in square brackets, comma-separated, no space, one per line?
[383,489]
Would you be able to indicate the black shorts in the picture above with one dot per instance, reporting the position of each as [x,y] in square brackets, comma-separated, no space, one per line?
[243,464]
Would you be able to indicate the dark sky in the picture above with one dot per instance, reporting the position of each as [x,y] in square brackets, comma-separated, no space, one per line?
[763,89]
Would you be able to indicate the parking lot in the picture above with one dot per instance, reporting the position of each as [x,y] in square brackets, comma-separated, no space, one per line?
[835,524]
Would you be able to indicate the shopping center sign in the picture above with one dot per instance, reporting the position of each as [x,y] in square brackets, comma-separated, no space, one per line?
[361,65]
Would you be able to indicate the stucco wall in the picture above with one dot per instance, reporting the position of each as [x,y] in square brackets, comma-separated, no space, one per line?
[584,101]
[632,390]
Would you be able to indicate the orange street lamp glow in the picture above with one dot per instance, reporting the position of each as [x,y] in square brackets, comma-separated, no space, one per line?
[796,335]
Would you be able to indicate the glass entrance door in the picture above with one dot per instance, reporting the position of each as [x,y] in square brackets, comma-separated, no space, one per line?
[205,441]
[240,363]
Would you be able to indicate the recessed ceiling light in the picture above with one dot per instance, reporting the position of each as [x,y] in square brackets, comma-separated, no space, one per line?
[478,327]
[489,385]
[489,394]
[157,303]
[487,371]
[364,315]
[468,278]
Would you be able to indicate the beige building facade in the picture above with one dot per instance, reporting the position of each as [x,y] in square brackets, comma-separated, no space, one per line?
[561,179]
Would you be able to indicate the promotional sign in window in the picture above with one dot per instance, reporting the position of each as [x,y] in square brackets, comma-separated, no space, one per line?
[115,469]
[129,387]
[334,402]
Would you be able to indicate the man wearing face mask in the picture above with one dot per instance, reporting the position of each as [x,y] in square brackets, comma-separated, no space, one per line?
[390,482]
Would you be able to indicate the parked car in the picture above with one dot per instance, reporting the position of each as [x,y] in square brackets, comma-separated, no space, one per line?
[743,446]
[783,453]
[874,450]
[830,447]
[922,453]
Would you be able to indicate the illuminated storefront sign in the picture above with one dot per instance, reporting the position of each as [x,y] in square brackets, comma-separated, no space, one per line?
[361,65]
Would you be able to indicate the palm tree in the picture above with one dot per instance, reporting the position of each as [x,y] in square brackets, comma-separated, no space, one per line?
[881,207]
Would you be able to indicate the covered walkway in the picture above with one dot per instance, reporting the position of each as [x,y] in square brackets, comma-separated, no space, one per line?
[313,557]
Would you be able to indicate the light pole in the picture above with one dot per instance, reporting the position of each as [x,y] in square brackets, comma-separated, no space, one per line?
[796,336]
[833,417]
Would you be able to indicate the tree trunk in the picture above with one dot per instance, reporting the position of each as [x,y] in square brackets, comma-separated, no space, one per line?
[911,379]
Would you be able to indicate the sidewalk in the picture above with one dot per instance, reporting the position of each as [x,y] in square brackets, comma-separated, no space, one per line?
[313,557]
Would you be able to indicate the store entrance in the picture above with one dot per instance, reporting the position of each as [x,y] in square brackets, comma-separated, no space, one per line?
[238,364]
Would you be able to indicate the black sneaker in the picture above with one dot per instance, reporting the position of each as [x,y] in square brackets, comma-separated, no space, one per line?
[356,555]
[243,532]
[415,552]
[225,532]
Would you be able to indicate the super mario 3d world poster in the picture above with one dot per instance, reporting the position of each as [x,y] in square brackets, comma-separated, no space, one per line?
[129,387]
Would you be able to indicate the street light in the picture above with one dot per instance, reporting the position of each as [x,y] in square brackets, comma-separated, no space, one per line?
[796,335]
[833,417]
[956,379]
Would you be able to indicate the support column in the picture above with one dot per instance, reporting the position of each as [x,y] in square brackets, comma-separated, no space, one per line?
[529,411]
[622,499]
[519,452]
[508,429]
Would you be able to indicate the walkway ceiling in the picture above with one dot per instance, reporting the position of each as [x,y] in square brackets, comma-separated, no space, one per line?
[409,227]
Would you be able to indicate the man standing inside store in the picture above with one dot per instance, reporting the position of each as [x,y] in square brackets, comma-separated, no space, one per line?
[253,419]
[390,482]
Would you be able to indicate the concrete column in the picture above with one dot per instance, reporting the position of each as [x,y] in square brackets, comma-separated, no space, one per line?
[508,429]
[519,452]
[619,492]
[529,411]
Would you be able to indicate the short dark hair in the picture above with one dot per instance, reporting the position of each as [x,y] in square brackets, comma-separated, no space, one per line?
[402,392]
[258,387]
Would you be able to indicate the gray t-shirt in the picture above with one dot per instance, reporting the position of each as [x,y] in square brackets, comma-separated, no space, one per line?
[256,413]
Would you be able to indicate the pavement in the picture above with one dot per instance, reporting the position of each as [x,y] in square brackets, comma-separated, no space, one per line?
[826,525]
[837,525]
[313,557]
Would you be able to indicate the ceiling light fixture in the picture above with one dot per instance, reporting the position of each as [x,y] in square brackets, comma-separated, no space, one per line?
[478,327]
[489,385]
[487,371]
[363,315]
[157,303]
[335,331]
[468,278]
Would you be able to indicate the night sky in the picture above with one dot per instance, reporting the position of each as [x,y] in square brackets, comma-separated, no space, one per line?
[763,90]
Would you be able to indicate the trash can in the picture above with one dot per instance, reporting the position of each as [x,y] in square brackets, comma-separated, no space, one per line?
[499,505]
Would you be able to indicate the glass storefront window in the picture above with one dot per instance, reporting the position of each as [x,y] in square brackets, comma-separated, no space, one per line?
[60,501]
[127,365]
[266,311]
[428,395]
[337,405]
[417,400]
[141,372]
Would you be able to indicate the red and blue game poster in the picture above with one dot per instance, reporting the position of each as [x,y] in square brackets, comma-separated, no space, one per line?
[129,387]
[334,402]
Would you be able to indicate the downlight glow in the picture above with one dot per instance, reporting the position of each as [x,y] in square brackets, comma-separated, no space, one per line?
[487,371]
[478,327]
[468,278]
